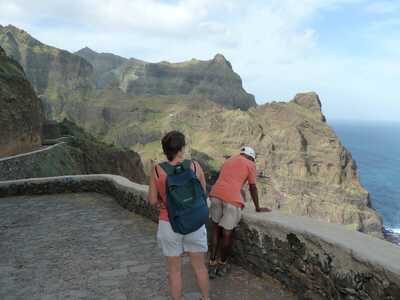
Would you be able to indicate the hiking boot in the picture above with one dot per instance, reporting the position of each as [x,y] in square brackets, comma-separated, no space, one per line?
[212,269]
[223,268]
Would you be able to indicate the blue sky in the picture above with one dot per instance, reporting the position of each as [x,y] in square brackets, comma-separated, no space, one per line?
[348,51]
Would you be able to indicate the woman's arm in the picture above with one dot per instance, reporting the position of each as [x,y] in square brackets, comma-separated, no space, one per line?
[153,194]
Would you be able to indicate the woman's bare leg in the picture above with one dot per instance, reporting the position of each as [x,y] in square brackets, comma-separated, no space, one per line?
[175,276]
[200,269]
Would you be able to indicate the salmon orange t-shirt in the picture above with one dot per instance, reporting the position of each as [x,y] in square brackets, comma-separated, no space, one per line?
[235,172]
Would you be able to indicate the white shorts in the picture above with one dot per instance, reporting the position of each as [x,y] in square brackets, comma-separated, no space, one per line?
[175,244]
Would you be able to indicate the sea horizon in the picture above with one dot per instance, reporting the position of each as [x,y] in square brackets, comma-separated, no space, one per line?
[363,121]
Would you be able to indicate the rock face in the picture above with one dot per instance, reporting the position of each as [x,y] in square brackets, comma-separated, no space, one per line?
[57,76]
[310,172]
[214,79]
[20,110]
[103,63]
[311,102]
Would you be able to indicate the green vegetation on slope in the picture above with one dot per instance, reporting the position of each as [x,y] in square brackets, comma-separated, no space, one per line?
[99,158]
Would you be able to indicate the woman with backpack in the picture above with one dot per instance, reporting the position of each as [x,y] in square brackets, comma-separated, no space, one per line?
[179,187]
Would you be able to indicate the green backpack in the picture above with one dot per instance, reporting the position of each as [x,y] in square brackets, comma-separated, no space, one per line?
[186,200]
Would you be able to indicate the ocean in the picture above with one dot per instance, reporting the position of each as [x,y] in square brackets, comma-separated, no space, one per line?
[376,148]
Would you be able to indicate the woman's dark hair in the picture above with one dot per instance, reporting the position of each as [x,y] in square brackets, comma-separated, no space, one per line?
[172,143]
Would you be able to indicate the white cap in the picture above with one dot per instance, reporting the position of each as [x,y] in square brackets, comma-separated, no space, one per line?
[248,151]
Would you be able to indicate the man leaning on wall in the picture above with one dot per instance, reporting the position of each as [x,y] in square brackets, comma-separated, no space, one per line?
[227,203]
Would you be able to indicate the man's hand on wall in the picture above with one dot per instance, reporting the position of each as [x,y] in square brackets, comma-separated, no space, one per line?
[263,209]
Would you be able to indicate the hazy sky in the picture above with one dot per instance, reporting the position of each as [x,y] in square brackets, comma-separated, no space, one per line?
[346,50]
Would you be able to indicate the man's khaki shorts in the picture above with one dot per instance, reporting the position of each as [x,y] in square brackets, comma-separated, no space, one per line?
[224,214]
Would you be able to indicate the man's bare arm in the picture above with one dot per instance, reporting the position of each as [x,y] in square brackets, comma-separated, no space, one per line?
[254,196]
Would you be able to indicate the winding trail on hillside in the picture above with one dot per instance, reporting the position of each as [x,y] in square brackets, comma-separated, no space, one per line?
[42,149]
[85,246]
[50,144]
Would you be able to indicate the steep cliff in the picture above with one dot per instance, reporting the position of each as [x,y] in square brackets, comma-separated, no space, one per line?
[59,77]
[213,79]
[20,110]
[311,173]
[104,65]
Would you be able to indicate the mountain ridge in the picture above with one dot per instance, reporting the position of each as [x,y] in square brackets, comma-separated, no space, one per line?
[192,78]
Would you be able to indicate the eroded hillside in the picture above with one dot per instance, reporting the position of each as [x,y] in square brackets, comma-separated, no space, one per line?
[304,169]
[58,77]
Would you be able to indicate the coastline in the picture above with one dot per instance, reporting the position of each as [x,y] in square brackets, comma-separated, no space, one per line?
[392,236]
[376,153]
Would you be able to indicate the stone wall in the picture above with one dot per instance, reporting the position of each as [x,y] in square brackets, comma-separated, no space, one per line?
[318,260]
[313,259]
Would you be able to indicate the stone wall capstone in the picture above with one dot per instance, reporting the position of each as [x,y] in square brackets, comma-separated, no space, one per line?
[315,260]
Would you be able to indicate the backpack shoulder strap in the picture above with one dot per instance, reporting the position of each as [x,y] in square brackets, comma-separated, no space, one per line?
[167,168]
[187,164]
[170,170]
